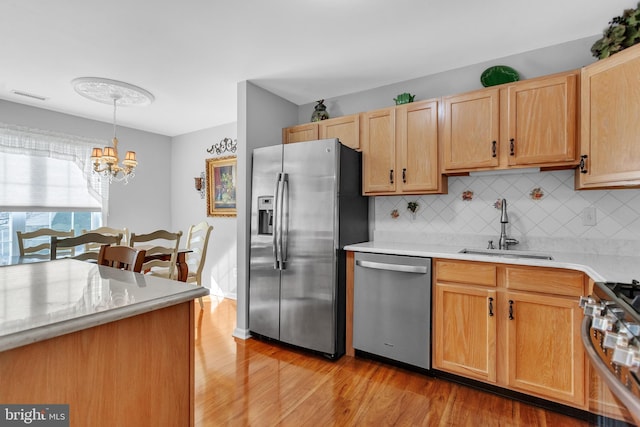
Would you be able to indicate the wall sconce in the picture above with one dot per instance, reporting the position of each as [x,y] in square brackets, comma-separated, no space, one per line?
[200,184]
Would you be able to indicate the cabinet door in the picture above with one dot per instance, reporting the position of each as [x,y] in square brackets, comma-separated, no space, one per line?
[417,143]
[471,130]
[602,401]
[346,129]
[542,121]
[544,355]
[300,133]
[465,331]
[610,125]
[378,151]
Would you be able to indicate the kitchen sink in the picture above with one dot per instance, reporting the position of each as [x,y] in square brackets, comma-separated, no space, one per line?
[505,254]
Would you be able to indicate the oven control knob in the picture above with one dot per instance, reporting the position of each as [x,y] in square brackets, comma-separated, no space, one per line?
[593,309]
[613,340]
[601,323]
[615,313]
[627,356]
[632,329]
[585,300]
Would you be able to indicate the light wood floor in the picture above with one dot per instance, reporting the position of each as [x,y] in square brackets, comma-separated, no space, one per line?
[253,383]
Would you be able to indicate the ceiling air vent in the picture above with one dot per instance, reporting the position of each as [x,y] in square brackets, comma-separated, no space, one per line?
[29,95]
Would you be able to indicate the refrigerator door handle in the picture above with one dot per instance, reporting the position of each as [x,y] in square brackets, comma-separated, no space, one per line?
[277,224]
[284,226]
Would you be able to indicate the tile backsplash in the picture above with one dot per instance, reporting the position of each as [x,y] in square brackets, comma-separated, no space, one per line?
[542,207]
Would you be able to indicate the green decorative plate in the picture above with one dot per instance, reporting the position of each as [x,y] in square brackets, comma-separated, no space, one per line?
[498,75]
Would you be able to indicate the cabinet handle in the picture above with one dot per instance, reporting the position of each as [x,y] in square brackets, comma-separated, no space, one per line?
[512,147]
[391,176]
[583,163]
[510,309]
[404,175]
[490,306]
[494,146]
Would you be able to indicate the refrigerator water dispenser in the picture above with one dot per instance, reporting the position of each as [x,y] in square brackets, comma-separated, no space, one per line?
[265,215]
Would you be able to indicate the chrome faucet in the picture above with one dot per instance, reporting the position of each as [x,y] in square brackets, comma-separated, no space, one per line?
[504,242]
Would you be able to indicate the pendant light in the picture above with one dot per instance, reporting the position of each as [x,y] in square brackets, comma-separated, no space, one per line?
[106,161]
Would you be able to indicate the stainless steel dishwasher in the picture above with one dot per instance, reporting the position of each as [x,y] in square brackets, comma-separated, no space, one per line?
[392,307]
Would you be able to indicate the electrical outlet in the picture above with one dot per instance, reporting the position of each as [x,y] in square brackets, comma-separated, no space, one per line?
[589,216]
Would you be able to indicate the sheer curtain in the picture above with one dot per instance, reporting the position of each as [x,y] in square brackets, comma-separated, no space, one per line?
[40,174]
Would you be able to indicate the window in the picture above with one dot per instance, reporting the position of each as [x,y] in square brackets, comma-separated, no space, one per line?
[10,222]
[46,181]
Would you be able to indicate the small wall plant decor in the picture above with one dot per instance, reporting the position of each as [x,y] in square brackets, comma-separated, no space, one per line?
[413,207]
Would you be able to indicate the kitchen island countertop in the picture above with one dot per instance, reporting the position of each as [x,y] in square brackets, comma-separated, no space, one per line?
[597,267]
[43,300]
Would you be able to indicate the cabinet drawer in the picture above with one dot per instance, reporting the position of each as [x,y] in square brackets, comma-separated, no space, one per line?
[476,273]
[545,280]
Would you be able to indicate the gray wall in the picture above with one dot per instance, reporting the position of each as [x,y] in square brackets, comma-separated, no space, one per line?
[188,157]
[261,117]
[135,205]
[540,62]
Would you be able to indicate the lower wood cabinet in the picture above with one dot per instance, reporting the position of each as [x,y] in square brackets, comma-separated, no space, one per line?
[602,401]
[464,332]
[544,352]
[507,328]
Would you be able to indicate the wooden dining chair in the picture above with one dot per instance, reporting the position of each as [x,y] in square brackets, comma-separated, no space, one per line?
[109,231]
[81,240]
[197,241]
[122,257]
[38,241]
[161,251]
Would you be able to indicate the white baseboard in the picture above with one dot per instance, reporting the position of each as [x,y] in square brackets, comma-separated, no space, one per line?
[242,334]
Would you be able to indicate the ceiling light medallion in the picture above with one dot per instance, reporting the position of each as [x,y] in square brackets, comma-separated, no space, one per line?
[106,161]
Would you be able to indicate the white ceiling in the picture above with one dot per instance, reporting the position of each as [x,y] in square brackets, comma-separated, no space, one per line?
[192,53]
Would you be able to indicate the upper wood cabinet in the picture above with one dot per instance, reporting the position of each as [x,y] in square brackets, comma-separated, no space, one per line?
[523,124]
[379,151]
[345,128]
[610,127]
[471,130]
[300,133]
[400,150]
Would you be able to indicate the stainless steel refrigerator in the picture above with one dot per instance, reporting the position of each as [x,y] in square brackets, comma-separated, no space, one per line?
[306,206]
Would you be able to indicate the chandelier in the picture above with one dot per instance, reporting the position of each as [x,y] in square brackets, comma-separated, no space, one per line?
[106,161]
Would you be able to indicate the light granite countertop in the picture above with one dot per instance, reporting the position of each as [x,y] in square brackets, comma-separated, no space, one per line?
[597,266]
[43,300]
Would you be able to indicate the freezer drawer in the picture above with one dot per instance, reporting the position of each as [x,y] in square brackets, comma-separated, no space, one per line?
[392,307]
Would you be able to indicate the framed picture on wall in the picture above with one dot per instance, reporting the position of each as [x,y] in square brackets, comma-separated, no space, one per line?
[221,186]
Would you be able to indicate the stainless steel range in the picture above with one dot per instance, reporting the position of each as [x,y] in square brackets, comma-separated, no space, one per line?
[611,336]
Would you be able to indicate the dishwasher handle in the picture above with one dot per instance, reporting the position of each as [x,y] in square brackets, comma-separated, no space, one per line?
[419,269]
